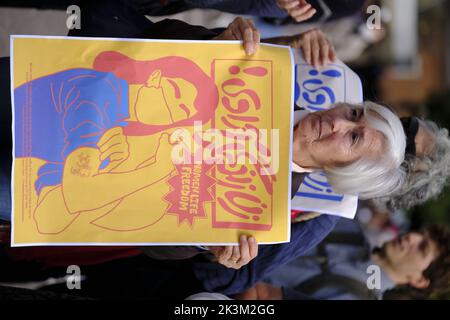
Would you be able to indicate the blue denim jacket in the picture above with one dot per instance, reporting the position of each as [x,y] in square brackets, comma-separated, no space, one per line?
[5,192]
[304,236]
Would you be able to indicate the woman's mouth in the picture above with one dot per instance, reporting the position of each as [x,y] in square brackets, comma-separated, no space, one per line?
[317,125]
[320,127]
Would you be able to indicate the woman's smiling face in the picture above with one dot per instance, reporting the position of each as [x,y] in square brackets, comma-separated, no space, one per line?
[336,137]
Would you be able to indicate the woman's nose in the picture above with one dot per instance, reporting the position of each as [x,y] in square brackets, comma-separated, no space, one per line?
[343,125]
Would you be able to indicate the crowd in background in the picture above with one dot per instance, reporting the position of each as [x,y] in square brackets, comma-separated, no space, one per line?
[403,233]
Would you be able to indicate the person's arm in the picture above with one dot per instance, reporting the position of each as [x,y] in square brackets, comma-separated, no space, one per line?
[245,30]
[260,8]
[86,187]
[304,237]
[299,10]
[317,49]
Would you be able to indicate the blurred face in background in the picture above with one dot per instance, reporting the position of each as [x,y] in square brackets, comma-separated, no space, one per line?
[408,256]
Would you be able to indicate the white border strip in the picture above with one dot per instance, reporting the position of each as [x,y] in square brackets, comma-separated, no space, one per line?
[11,72]
[143,40]
[131,244]
[342,213]
[291,137]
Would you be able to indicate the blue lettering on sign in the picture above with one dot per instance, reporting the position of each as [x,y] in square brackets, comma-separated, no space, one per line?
[318,91]
[316,95]
[320,196]
[319,187]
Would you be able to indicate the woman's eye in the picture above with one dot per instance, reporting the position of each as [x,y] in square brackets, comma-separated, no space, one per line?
[355,137]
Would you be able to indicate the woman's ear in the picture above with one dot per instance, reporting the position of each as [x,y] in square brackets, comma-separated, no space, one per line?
[419,165]
[419,283]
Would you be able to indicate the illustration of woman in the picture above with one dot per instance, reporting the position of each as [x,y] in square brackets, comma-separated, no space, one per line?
[103,134]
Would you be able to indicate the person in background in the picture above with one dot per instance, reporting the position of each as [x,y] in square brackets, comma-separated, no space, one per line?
[324,11]
[315,228]
[118,19]
[428,162]
[380,226]
[344,267]
[299,10]
[284,11]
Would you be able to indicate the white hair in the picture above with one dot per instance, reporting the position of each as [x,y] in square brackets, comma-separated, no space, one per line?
[424,184]
[368,177]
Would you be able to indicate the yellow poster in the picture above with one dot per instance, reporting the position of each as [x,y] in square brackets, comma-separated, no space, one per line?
[126,141]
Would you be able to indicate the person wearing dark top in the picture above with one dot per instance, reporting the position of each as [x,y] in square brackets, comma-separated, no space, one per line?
[279,11]
[118,19]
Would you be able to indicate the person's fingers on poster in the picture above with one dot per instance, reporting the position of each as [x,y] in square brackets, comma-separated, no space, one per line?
[221,253]
[236,256]
[248,250]
[306,49]
[256,36]
[327,51]
[317,49]
[244,251]
[245,30]
[324,51]
[332,55]
[299,10]
[229,256]
[113,145]
[224,254]
[253,248]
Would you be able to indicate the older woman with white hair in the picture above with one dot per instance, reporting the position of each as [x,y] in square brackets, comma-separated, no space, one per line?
[361,148]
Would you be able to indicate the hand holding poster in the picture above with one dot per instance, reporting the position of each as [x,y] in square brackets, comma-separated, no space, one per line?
[134,141]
